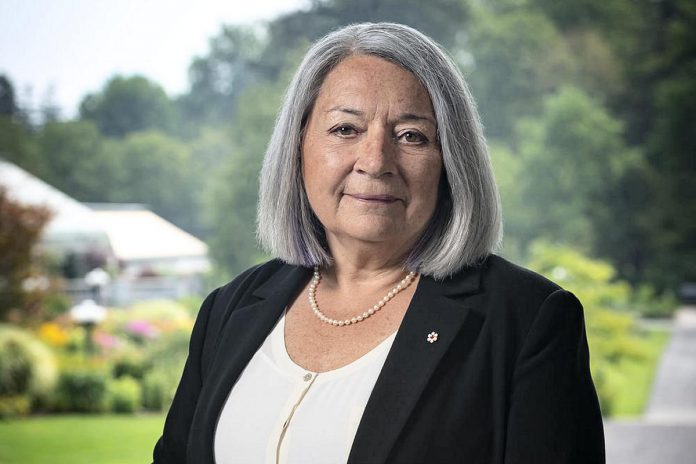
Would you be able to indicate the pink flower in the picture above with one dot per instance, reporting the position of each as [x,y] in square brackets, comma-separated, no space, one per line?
[141,329]
[105,340]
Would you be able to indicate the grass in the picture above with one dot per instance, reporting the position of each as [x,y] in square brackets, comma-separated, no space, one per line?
[116,439]
[635,379]
[78,439]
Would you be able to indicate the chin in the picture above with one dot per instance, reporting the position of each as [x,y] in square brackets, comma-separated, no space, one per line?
[374,231]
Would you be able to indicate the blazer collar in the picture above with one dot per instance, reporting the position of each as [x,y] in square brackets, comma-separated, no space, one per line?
[435,307]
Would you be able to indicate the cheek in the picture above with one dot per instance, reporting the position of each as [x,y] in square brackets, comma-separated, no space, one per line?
[426,183]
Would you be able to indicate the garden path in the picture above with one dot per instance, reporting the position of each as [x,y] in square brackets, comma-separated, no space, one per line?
[667,432]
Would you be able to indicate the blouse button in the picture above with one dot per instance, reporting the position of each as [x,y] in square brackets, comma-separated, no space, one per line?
[307,377]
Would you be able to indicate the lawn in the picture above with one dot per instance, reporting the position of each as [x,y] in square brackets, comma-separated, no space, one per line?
[117,439]
[635,379]
[78,439]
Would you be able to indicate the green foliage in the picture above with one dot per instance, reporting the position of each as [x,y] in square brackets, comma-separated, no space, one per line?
[82,390]
[232,195]
[8,105]
[649,303]
[516,58]
[73,160]
[17,144]
[129,104]
[13,406]
[572,157]
[156,172]
[124,395]
[157,391]
[21,227]
[613,338]
[632,381]
[130,365]
[27,366]
[218,79]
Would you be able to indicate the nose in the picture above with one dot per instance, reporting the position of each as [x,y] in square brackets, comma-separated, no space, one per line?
[375,156]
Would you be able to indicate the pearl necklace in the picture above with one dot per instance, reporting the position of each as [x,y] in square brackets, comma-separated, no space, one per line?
[405,282]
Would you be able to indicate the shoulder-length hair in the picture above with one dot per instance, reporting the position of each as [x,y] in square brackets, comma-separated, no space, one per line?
[466,225]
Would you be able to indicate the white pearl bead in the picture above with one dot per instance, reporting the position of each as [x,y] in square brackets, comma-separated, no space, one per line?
[360,317]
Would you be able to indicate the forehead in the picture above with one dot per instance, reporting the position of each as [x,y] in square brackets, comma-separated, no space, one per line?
[365,80]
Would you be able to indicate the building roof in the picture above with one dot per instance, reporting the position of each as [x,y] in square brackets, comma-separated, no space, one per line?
[73,225]
[140,234]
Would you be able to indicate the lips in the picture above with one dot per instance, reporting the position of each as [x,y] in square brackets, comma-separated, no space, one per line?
[372,198]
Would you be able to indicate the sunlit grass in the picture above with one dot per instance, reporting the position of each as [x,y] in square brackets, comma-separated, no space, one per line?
[637,377]
[79,439]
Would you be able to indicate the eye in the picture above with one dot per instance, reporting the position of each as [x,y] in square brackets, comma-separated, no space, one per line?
[414,138]
[344,130]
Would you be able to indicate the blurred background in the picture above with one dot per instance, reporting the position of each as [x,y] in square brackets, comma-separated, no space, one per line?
[132,134]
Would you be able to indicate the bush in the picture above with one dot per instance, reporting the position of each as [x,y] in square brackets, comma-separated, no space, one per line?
[81,391]
[157,391]
[650,304]
[15,369]
[27,366]
[12,406]
[613,337]
[131,365]
[124,395]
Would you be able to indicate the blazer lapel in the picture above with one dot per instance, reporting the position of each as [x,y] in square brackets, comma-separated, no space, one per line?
[411,362]
[242,335]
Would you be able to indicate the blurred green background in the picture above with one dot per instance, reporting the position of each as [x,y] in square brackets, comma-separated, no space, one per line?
[589,108]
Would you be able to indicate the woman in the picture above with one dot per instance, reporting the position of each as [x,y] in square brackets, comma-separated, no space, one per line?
[386,331]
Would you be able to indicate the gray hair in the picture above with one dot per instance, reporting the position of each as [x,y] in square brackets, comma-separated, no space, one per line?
[466,225]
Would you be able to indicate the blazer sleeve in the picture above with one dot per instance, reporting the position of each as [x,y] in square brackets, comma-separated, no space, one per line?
[171,447]
[554,414]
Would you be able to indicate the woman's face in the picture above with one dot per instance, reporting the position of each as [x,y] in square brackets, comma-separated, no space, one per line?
[371,163]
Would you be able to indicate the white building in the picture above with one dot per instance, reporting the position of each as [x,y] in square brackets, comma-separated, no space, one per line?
[146,256]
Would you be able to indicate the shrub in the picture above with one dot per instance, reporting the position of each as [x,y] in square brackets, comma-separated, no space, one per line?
[27,366]
[12,406]
[612,334]
[650,304]
[124,395]
[166,357]
[157,391]
[132,365]
[82,391]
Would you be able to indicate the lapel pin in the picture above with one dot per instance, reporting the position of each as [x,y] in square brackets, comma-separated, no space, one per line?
[432,337]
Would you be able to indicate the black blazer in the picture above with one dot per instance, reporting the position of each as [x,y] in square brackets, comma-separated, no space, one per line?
[507,381]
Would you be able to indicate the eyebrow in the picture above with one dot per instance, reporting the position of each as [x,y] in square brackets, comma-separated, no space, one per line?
[402,116]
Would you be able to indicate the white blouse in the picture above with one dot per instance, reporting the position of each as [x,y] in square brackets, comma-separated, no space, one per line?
[280,413]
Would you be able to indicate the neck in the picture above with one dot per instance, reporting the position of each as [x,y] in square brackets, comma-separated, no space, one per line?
[368,264]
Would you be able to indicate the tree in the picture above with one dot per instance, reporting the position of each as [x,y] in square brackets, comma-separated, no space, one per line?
[20,230]
[443,20]
[8,105]
[518,57]
[572,160]
[72,159]
[17,144]
[218,79]
[129,104]
[156,171]
[233,194]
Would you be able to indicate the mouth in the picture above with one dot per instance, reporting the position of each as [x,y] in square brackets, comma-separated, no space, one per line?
[374,199]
